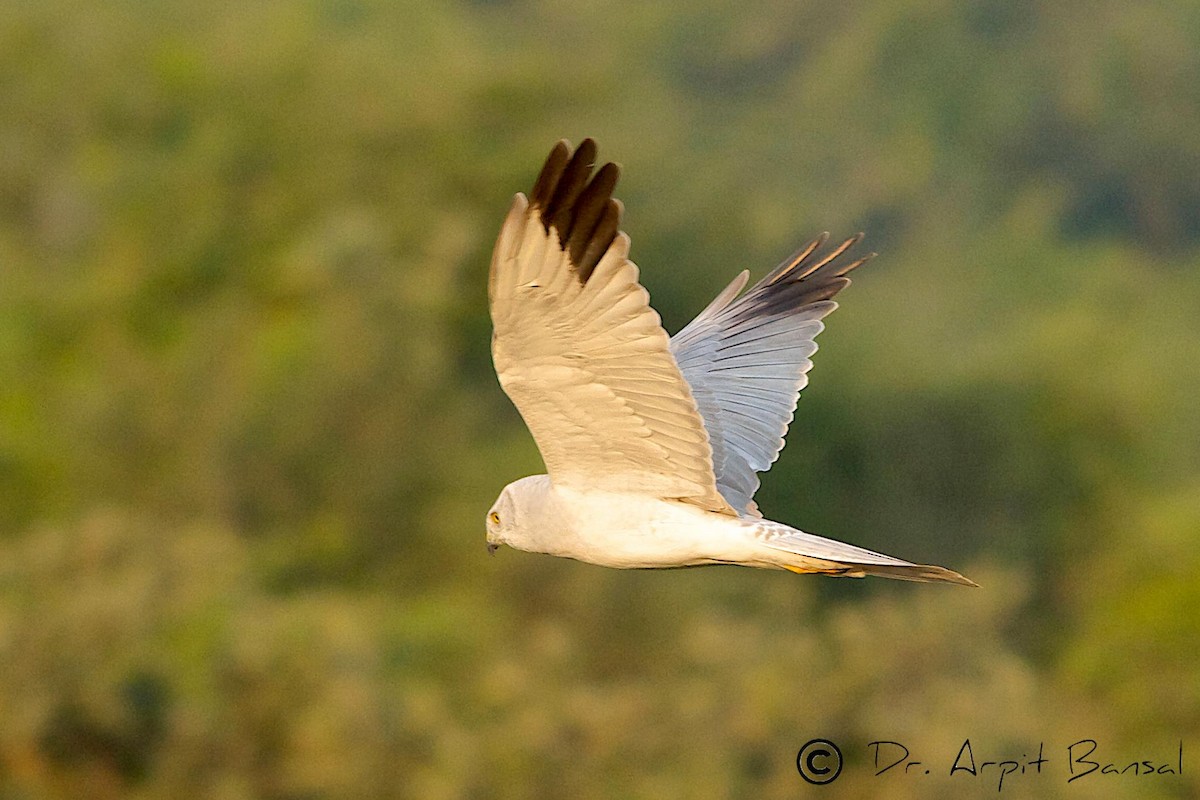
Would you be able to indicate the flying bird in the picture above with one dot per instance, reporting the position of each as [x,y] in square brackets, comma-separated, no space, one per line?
[652,444]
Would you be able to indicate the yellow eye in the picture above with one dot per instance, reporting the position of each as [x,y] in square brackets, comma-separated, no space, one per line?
[494,517]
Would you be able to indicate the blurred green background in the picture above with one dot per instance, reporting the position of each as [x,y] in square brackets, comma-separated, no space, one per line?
[249,428]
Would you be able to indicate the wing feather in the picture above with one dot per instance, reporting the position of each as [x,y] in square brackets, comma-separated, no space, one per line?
[747,357]
[579,350]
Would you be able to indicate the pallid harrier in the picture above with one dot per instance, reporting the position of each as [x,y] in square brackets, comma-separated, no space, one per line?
[652,444]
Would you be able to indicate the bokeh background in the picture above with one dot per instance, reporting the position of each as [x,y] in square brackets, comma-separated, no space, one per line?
[249,429]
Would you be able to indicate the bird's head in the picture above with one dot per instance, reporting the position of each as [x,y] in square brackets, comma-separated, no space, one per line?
[500,520]
[512,517]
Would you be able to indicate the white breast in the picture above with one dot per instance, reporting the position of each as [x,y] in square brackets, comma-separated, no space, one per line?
[636,531]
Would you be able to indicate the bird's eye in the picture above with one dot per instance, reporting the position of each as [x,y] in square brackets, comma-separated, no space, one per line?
[494,517]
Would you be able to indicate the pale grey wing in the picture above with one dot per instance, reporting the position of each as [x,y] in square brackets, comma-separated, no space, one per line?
[747,358]
[579,350]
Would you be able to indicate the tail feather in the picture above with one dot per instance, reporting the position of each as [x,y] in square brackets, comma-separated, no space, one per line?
[816,554]
[924,573]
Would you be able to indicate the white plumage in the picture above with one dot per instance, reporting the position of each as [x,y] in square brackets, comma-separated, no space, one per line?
[652,444]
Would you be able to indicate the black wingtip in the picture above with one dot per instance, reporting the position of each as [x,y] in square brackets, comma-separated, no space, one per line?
[578,205]
[808,276]
[552,170]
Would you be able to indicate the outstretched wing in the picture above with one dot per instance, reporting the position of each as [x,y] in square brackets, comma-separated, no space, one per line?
[579,350]
[746,360]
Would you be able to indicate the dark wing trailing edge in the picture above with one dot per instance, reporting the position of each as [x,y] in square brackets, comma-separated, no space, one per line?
[746,360]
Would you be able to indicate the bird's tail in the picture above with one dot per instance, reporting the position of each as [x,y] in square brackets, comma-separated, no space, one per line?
[925,573]
[804,553]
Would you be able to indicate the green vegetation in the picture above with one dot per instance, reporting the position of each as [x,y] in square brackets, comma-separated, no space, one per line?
[249,428]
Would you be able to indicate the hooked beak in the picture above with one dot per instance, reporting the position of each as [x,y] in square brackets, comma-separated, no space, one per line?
[492,548]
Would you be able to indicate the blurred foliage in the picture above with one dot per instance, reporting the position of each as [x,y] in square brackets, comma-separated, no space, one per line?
[249,429]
